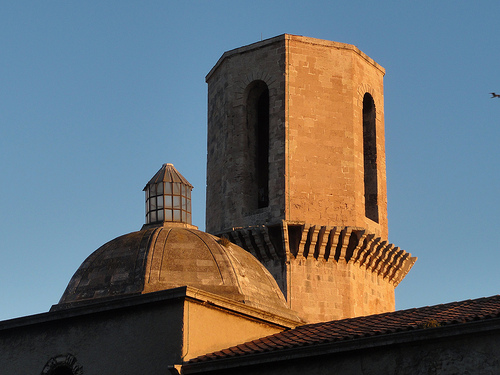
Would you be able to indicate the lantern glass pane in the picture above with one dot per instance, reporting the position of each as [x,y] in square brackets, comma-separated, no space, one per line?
[177,215]
[176,188]
[177,201]
[159,188]
[168,201]
[160,215]
[168,215]
[168,188]
[159,201]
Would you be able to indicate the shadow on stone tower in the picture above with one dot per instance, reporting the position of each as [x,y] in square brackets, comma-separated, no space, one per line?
[296,172]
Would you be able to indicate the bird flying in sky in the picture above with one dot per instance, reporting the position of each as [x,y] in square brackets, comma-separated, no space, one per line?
[493,95]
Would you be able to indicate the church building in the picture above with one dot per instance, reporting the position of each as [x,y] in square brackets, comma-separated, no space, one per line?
[295,271]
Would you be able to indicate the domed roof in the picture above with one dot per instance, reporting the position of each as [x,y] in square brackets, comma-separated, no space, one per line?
[168,256]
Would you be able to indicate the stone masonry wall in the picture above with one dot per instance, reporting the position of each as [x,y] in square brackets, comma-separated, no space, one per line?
[323,291]
[316,174]
[326,82]
[228,164]
[328,273]
[316,91]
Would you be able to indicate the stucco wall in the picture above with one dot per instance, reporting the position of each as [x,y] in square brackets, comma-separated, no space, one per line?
[123,341]
[144,334]
[208,329]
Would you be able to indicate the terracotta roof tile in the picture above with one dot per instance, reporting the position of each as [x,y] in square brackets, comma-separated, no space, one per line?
[366,326]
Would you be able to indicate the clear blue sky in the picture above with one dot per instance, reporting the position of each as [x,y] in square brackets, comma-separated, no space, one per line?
[96,95]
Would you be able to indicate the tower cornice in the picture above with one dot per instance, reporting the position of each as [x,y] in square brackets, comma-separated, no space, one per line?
[341,244]
[298,38]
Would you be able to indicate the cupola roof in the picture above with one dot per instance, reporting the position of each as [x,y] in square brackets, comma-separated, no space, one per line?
[168,173]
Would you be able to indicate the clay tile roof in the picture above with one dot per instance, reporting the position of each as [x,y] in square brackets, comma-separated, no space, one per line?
[380,324]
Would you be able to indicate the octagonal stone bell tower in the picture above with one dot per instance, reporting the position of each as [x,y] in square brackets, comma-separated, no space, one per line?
[296,172]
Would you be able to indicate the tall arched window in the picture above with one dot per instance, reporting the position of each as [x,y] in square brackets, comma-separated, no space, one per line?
[370,158]
[257,107]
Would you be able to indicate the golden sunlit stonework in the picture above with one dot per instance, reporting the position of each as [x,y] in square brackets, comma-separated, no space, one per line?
[318,116]
[295,273]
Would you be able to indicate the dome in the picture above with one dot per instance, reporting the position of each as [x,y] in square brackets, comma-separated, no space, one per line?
[170,256]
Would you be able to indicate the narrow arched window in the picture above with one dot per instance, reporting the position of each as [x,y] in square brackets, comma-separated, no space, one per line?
[257,107]
[370,158]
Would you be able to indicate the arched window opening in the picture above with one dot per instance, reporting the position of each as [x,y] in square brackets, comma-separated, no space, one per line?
[258,142]
[370,158]
[62,370]
[63,364]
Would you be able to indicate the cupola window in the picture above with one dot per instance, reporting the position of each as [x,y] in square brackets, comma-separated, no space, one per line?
[168,197]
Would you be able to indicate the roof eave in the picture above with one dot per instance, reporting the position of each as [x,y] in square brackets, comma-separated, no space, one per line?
[357,344]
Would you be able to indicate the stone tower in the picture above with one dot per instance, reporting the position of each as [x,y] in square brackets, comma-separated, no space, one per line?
[296,172]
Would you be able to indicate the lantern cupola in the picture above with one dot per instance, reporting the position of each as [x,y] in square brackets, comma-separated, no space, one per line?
[168,198]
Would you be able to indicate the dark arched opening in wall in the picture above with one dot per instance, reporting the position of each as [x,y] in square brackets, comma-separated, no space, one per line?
[62,370]
[370,158]
[63,364]
[257,108]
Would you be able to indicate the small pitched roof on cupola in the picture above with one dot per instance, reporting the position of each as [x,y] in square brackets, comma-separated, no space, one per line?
[168,197]
[168,173]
